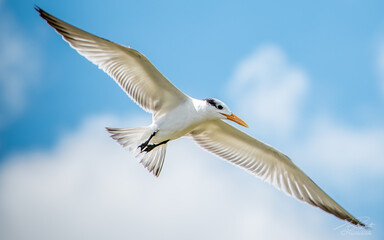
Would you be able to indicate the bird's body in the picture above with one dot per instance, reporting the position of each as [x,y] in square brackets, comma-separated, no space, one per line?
[174,115]
[149,143]
[181,120]
[172,126]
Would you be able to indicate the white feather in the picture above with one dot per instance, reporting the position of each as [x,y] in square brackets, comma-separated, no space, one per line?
[266,163]
[175,115]
[134,73]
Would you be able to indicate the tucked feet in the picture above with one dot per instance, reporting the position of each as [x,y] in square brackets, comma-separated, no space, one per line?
[150,147]
[145,144]
[146,147]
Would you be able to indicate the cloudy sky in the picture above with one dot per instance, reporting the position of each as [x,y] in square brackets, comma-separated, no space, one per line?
[308,78]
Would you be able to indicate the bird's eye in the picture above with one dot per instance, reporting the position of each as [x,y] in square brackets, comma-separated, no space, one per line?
[220,107]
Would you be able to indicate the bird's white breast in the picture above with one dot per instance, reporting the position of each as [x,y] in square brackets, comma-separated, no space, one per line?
[177,122]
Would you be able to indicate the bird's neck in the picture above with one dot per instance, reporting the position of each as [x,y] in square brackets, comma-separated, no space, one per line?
[199,105]
[202,109]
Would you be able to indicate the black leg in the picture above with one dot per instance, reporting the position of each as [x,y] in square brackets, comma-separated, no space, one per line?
[150,147]
[145,144]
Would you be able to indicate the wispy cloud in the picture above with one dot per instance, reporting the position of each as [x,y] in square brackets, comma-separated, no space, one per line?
[19,66]
[270,89]
[88,187]
[348,151]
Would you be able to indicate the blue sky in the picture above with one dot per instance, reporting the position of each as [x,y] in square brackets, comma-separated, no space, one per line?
[307,77]
[334,43]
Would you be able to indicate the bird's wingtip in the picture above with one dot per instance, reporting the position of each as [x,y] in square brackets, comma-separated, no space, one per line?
[37,8]
[41,12]
[110,130]
[357,223]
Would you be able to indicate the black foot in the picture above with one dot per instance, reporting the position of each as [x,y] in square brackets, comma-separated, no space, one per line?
[150,147]
[145,144]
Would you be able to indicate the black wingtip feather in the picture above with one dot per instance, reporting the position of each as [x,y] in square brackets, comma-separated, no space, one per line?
[41,12]
[48,17]
[38,9]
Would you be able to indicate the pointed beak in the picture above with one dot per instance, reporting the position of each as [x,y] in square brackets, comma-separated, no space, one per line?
[235,119]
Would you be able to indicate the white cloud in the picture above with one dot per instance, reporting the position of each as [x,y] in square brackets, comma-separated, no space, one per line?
[271,89]
[88,187]
[345,150]
[323,147]
[19,65]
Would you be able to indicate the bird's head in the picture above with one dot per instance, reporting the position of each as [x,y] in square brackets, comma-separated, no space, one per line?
[218,109]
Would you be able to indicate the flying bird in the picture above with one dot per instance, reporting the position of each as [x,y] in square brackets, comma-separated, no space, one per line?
[175,114]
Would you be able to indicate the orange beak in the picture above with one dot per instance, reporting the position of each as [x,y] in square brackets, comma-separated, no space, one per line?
[235,119]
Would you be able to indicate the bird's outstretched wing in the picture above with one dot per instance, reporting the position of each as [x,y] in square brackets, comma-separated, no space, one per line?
[129,68]
[267,163]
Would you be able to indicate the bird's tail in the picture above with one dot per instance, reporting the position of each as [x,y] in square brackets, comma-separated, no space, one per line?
[132,138]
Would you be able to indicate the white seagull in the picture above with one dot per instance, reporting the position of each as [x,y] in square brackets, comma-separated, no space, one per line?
[175,114]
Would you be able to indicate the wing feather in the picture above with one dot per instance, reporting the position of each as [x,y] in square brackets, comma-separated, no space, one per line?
[267,163]
[134,73]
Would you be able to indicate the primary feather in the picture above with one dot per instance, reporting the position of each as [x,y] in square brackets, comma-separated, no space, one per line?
[134,73]
[176,114]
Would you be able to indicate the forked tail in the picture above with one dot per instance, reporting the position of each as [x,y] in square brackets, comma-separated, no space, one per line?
[133,140]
